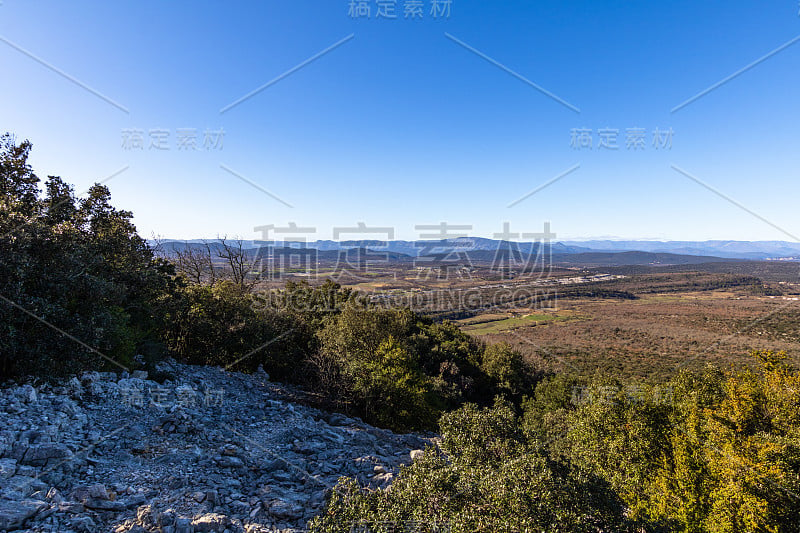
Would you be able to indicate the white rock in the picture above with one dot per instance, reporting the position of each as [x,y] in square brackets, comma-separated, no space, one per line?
[8,467]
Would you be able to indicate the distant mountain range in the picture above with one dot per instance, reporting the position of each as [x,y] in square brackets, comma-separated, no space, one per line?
[477,247]
[729,249]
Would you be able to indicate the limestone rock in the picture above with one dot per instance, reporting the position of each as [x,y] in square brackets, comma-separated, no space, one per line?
[8,467]
[14,514]
[210,522]
[221,452]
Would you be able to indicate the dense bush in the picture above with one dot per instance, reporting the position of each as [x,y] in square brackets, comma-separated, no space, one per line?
[487,478]
[544,412]
[78,287]
[369,355]
[394,392]
[507,368]
[219,325]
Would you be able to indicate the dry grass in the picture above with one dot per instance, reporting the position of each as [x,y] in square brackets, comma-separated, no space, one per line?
[658,334]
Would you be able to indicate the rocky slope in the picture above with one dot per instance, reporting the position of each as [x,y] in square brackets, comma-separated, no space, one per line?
[208,450]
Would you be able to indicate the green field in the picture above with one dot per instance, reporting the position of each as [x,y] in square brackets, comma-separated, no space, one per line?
[507,324]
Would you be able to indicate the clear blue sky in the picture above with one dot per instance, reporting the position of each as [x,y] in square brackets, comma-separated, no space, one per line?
[402,125]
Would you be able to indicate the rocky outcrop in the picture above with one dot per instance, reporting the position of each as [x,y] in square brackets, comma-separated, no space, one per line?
[209,451]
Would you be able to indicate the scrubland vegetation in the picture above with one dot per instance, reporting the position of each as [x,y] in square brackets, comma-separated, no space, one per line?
[524,448]
[719,453]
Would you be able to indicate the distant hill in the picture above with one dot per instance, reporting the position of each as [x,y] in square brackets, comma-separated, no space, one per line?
[770,271]
[634,258]
[425,247]
[731,249]
[407,248]
[470,251]
[756,250]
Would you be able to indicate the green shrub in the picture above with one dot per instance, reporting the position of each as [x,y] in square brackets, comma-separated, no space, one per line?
[369,358]
[219,325]
[509,371]
[486,479]
[396,394]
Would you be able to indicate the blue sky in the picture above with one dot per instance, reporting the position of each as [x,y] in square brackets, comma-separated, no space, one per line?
[401,125]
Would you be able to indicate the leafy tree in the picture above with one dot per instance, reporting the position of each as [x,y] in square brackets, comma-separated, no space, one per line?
[453,360]
[354,345]
[752,450]
[545,412]
[447,365]
[19,186]
[80,289]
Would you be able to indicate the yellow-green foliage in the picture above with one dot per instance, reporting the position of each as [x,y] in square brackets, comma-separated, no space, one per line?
[709,452]
[723,456]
